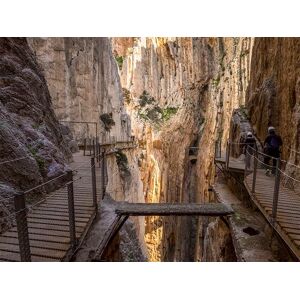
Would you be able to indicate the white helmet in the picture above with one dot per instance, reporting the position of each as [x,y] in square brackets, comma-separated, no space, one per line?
[249,133]
[271,128]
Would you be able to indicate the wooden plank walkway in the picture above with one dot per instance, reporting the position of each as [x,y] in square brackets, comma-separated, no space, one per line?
[288,211]
[48,223]
[235,164]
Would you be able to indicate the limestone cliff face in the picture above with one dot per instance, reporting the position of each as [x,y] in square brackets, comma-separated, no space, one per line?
[180,93]
[273,96]
[84,84]
[28,126]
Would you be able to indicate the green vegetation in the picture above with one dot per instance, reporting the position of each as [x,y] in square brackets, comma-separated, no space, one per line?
[119,60]
[126,95]
[145,99]
[216,81]
[168,112]
[244,112]
[39,160]
[150,111]
[122,163]
[107,121]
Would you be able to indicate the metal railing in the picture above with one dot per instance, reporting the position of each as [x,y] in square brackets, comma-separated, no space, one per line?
[22,210]
[259,165]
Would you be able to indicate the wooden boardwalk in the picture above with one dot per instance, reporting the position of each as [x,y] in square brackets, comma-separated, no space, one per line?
[288,211]
[235,164]
[48,223]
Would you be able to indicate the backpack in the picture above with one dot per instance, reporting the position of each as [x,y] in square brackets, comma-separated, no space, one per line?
[274,142]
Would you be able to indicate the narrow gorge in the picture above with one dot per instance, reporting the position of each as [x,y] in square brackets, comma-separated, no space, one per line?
[165,106]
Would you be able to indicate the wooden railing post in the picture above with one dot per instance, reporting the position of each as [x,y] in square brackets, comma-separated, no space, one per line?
[276,190]
[22,227]
[71,209]
[254,172]
[94,187]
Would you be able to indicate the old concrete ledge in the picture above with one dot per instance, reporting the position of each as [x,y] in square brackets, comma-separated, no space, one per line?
[250,232]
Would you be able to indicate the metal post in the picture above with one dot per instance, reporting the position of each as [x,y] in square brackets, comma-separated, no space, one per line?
[93,150]
[84,146]
[216,149]
[103,175]
[22,227]
[254,172]
[246,162]
[276,190]
[71,209]
[227,154]
[97,152]
[94,187]
[90,140]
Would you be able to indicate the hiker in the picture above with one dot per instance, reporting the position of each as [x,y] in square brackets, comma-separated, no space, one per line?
[272,145]
[249,146]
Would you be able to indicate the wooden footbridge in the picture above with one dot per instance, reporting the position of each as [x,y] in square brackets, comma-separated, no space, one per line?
[124,210]
[277,195]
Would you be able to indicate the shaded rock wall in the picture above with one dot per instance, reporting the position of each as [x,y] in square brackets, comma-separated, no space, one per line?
[273,96]
[28,126]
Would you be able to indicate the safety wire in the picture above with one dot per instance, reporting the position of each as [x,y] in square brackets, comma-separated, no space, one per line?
[11,215]
[29,209]
[13,160]
[287,180]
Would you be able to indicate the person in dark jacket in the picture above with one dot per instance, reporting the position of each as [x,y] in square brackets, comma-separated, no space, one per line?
[272,145]
[249,146]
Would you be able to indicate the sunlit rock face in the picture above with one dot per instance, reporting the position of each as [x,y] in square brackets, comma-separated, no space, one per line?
[84,84]
[180,93]
[29,127]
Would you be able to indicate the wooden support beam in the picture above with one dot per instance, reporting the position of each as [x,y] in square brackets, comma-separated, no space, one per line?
[176,209]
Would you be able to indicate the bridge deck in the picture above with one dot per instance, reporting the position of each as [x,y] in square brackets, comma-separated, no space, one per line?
[48,223]
[167,209]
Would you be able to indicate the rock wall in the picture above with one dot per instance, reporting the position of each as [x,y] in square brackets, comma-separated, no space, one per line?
[180,93]
[29,128]
[273,96]
[83,81]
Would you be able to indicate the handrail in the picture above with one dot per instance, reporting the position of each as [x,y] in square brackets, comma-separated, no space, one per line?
[281,177]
